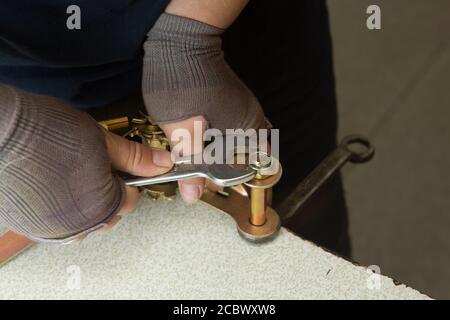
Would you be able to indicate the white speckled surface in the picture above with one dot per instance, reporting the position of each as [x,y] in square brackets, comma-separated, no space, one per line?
[168,250]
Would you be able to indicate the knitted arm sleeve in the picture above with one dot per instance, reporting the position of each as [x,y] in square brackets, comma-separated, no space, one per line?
[185,75]
[55,173]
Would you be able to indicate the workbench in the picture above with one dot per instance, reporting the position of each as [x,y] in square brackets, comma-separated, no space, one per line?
[171,250]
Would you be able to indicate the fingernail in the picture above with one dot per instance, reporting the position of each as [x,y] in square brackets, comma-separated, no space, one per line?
[162,158]
[190,193]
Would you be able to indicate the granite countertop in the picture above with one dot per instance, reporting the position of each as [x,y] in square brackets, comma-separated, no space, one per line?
[170,250]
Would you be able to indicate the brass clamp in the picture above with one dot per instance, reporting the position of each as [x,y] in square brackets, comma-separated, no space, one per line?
[248,203]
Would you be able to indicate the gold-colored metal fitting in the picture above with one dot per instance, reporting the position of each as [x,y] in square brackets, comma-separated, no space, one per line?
[248,204]
[164,191]
[148,134]
[115,124]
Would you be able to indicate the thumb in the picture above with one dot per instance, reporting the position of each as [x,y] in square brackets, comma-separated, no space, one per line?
[135,158]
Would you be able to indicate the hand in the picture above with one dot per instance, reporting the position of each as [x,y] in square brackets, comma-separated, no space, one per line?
[185,78]
[136,159]
[185,75]
[190,189]
[55,168]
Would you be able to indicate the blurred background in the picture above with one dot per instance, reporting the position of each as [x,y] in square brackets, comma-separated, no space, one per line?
[393,85]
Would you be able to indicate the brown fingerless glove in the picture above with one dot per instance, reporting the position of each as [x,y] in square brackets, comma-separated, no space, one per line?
[185,75]
[55,173]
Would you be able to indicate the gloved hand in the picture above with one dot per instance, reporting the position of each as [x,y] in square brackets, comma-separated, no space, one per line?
[55,168]
[185,77]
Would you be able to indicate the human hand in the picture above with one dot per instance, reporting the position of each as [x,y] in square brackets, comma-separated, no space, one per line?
[186,78]
[56,164]
[138,160]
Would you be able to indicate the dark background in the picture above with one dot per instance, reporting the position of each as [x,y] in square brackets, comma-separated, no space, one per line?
[393,85]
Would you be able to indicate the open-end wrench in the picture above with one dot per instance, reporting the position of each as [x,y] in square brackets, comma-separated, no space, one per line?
[329,166]
[220,174]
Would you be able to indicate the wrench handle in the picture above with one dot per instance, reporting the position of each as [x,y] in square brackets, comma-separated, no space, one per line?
[327,168]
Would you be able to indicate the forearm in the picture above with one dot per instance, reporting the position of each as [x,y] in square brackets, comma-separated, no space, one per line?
[219,13]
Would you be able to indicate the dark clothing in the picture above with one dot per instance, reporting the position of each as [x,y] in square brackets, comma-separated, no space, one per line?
[89,67]
[282,51]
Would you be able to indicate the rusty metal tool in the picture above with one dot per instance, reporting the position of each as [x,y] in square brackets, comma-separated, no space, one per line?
[353,148]
[250,208]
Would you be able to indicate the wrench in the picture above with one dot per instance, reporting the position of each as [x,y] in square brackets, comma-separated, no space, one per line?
[220,174]
[329,166]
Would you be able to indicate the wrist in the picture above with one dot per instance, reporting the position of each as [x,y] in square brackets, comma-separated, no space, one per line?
[184,30]
[220,14]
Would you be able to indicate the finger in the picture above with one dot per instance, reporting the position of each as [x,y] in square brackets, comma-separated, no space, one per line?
[190,125]
[135,158]
[191,190]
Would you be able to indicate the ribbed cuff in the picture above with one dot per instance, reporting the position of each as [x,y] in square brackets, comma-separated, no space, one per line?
[182,27]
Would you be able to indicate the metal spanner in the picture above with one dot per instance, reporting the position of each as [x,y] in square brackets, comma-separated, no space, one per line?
[220,174]
[329,166]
